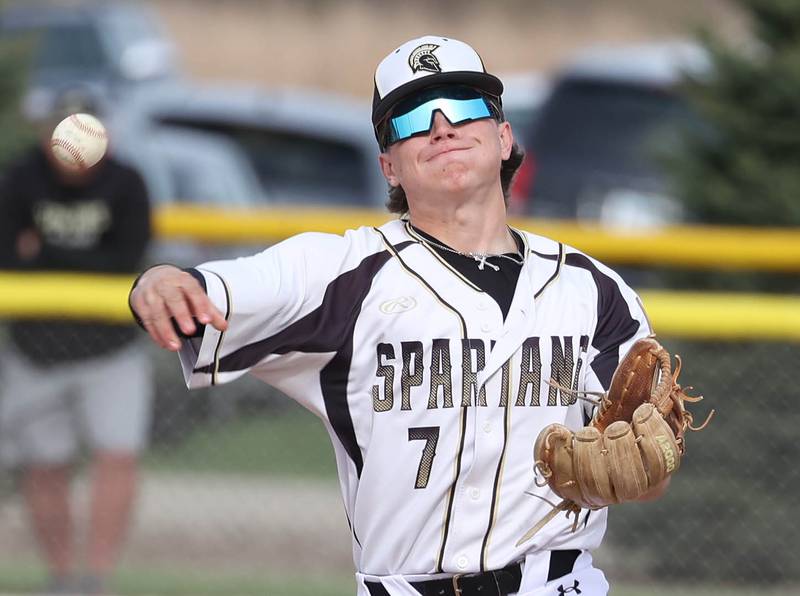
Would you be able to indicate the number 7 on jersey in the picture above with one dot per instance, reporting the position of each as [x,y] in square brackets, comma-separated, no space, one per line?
[429,434]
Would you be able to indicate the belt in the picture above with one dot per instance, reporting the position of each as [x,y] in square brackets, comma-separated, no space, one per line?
[489,583]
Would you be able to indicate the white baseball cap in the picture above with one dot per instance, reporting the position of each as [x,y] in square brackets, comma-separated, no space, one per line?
[424,62]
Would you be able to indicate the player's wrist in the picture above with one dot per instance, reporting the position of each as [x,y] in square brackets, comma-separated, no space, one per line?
[135,283]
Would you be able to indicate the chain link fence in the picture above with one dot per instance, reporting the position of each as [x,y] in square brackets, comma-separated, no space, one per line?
[728,517]
[239,480]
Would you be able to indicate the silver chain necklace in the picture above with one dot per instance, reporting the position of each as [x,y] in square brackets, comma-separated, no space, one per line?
[480,257]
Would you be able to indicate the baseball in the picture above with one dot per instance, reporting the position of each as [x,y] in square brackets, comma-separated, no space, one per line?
[79,141]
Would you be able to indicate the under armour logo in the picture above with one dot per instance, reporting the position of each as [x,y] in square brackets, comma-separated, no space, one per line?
[573,588]
[398,305]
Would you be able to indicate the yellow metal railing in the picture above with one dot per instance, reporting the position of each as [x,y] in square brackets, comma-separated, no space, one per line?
[70,295]
[680,314]
[766,249]
[723,315]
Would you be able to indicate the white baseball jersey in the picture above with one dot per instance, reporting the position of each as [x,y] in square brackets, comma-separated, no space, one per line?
[432,401]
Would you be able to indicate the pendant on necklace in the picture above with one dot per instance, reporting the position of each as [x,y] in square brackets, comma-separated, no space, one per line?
[482,262]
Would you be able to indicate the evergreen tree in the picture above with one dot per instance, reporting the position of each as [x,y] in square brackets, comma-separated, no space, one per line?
[745,169]
[14,60]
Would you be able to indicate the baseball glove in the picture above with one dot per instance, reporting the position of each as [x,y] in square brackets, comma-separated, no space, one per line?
[634,441]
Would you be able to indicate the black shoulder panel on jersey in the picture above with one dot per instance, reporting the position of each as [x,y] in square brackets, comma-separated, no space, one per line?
[328,328]
[324,329]
[615,325]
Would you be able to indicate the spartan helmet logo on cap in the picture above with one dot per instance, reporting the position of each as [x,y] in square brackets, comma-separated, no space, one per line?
[422,58]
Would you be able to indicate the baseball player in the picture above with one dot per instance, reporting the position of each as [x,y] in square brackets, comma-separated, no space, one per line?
[427,346]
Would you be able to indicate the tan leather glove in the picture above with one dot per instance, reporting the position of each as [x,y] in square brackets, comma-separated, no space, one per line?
[634,441]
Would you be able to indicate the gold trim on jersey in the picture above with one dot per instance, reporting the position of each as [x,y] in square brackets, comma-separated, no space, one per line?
[229,308]
[526,247]
[448,512]
[420,240]
[498,480]
[425,284]
[561,259]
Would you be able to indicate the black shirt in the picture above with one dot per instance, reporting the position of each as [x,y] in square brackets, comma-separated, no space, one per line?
[499,276]
[101,226]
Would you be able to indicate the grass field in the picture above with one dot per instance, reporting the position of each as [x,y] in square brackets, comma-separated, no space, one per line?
[136,582]
[291,442]
[287,442]
[29,578]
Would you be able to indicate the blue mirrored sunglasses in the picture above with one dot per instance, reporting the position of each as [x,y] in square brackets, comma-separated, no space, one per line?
[419,119]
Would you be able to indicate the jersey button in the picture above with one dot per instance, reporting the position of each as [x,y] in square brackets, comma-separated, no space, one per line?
[462,562]
[475,493]
[487,428]
[486,327]
[483,305]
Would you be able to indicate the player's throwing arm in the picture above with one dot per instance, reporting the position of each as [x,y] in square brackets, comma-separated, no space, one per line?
[164,294]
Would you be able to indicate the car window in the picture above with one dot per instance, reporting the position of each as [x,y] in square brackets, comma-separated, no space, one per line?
[196,185]
[609,125]
[70,46]
[295,166]
[128,27]
[521,119]
[203,168]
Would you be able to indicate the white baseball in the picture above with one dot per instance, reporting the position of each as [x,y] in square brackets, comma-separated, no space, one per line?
[79,141]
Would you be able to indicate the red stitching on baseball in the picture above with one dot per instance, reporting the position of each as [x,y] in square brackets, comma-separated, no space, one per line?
[89,130]
[71,149]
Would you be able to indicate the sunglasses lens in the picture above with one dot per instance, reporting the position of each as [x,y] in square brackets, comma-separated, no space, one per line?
[419,119]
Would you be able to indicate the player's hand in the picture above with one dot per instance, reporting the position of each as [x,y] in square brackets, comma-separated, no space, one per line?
[165,293]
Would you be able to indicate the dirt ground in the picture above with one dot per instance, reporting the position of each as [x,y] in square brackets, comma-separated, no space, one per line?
[335,45]
[206,521]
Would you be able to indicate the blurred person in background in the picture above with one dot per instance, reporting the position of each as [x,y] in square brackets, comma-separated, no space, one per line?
[74,384]
[425,345]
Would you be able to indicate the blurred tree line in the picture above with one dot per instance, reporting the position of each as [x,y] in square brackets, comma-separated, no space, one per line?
[742,165]
[14,56]
[729,515]
[746,168]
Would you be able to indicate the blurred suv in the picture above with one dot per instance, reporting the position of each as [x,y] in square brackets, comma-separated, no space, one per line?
[524,94]
[193,168]
[305,147]
[108,46]
[596,152]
